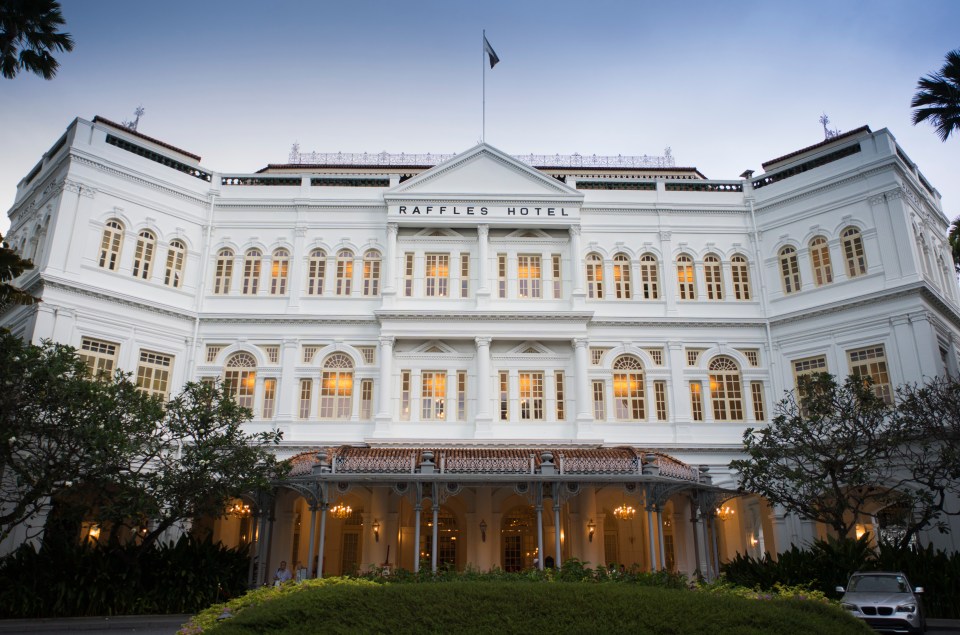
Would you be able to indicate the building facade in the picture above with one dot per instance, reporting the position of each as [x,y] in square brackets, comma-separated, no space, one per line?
[492,360]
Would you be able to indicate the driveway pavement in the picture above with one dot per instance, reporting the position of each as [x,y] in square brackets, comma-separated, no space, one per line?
[141,624]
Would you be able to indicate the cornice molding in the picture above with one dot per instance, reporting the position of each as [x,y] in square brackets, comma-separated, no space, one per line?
[485,316]
[116,298]
[825,185]
[143,180]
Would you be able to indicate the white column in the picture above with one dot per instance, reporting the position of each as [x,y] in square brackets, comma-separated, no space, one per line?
[313,539]
[584,411]
[295,267]
[436,531]
[287,397]
[385,394]
[416,537]
[651,538]
[483,261]
[556,529]
[539,507]
[389,273]
[323,537]
[483,420]
[663,559]
[576,261]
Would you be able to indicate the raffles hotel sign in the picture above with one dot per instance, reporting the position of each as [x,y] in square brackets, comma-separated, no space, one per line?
[459,212]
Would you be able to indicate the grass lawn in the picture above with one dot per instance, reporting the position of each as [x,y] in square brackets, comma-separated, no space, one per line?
[359,606]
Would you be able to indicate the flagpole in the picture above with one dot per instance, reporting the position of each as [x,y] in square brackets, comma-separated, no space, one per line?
[483,70]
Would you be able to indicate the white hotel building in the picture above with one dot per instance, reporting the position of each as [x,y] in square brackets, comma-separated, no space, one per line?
[485,356]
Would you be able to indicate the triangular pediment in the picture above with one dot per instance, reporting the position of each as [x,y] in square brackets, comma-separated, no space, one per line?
[483,171]
[438,232]
[530,348]
[434,347]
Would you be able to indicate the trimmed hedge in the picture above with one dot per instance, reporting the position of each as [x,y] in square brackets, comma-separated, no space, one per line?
[828,564]
[67,580]
[343,605]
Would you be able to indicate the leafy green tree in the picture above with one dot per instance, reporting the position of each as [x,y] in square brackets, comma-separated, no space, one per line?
[58,427]
[188,466]
[11,266]
[827,456]
[29,37]
[938,97]
[953,237]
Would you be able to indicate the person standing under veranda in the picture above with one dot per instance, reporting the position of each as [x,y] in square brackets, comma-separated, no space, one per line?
[283,574]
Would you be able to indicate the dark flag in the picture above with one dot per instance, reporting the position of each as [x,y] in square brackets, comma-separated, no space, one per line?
[489,49]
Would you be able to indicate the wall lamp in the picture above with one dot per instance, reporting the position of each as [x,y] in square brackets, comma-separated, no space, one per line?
[376,531]
[591,528]
[483,530]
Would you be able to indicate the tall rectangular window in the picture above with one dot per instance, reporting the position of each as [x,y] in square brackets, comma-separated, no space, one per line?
[251,272]
[464,275]
[153,373]
[561,403]
[371,273]
[223,272]
[306,396]
[807,366]
[99,356]
[594,265]
[504,396]
[405,395]
[408,275]
[713,276]
[621,277]
[344,272]
[531,396]
[557,277]
[528,276]
[696,400]
[269,398]
[740,274]
[756,390]
[438,275]
[871,363]
[316,269]
[685,278]
[660,395]
[279,271]
[433,395]
[501,275]
[461,395]
[599,409]
[649,277]
[366,399]
[173,274]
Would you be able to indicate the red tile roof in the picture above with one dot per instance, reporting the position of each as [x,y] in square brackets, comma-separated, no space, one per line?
[825,142]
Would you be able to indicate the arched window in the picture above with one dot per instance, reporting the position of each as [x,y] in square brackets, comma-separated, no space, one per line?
[685,279]
[240,378]
[224,272]
[628,389]
[371,273]
[621,277]
[176,254]
[820,261]
[594,276]
[725,391]
[336,387]
[344,272]
[143,255]
[713,276]
[853,252]
[789,270]
[279,268]
[740,274]
[110,245]
[251,271]
[447,533]
[316,268]
[649,277]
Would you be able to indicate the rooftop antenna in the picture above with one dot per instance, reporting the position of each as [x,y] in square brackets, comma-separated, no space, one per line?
[827,132]
[132,125]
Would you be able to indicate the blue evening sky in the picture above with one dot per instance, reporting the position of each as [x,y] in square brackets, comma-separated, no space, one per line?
[727,85]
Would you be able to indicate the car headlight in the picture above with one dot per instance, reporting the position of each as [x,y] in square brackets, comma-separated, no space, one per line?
[850,607]
[906,608]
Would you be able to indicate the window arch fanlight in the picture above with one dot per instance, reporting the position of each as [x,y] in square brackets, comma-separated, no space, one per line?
[143,255]
[594,271]
[223,273]
[820,261]
[628,389]
[649,277]
[621,277]
[176,255]
[685,278]
[279,270]
[853,252]
[713,277]
[110,245]
[725,389]
[336,387]
[789,270]
[344,272]
[251,271]
[240,378]
[316,268]
[371,273]
[740,276]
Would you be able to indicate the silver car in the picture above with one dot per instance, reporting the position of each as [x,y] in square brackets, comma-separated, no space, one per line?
[885,601]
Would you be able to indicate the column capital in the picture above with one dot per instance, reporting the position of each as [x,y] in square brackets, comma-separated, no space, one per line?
[483,341]
[483,230]
[574,230]
[387,341]
[392,229]
[581,342]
